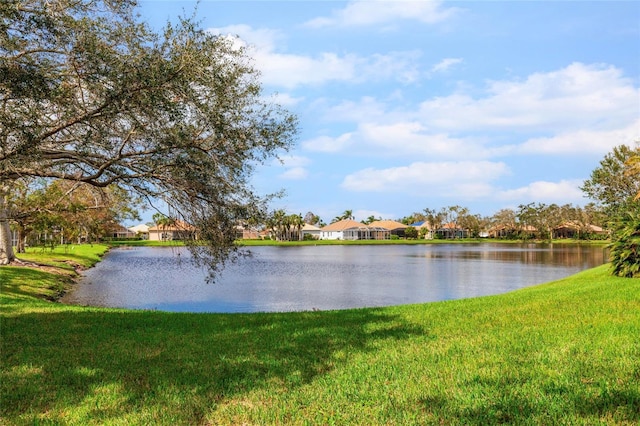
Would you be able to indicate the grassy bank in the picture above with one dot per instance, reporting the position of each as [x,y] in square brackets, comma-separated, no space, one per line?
[566,352]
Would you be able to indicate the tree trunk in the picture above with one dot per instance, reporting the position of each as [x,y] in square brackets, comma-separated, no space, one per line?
[6,249]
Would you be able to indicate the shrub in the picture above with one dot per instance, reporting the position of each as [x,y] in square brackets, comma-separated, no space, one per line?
[625,258]
[411,232]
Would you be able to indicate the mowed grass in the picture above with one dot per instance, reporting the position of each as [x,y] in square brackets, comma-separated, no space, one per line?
[566,352]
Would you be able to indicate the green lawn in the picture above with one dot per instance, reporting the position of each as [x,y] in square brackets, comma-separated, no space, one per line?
[566,352]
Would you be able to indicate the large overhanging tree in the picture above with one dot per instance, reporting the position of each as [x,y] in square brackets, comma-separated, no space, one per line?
[90,94]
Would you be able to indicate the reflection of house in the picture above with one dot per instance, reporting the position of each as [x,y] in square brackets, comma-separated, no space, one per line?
[311,230]
[576,230]
[177,231]
[394,228]
[348,229]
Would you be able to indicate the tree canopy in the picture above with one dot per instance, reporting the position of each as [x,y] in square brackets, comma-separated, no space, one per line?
[614,184]
[90,94]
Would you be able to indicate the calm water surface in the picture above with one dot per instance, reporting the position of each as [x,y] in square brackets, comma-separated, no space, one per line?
[278,279]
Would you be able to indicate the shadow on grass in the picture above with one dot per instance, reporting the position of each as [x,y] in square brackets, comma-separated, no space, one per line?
[509,400]
[19,281]
[63,260]
[61,360]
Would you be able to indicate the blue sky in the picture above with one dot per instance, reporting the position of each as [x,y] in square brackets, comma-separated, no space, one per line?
[407,105]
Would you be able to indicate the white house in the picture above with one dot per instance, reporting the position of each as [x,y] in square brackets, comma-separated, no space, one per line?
[141,230]
[348,229]
[312,230]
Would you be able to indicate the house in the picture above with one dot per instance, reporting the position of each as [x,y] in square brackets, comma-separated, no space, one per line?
[118,232]
[576,230]
[348,229]
[247,233]
[177,231]
[424,227]
[513,231]
[265,234]
[451,230]
[311,230]
[395,228]
[141,231]
[503,231]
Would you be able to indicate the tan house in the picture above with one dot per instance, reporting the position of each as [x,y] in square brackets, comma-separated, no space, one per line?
[424,228]
[515,231]
[452,231]
[247,233]
[119,231]
[575,230]
[178,231]
[394,227]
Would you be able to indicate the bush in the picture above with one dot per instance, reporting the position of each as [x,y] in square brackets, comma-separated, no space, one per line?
[625,258]
[410,232]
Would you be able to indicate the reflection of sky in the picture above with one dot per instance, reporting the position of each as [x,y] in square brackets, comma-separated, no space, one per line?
[324,277]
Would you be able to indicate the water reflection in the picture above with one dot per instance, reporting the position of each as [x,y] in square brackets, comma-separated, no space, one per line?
[277,279]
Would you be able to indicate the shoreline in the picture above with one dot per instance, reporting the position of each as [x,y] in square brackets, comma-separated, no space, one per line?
[128,297]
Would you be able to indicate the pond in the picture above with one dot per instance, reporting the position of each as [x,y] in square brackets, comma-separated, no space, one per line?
[280,279]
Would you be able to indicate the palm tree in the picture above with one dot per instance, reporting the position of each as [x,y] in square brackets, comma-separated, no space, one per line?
[163,221]
[296,222]
[347,215]
[369,220]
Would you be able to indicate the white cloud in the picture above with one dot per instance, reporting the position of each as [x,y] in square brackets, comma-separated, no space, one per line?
[402,139]
[445,64]
[294,160]
[579,109]
[565,191]
[259,38]
[295,173]
[366,108]
[294,165]
[291,70]
[444,178]
[412,138]
[328,144]
[579,96]
[584,141]
[286,100]
[368,13]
